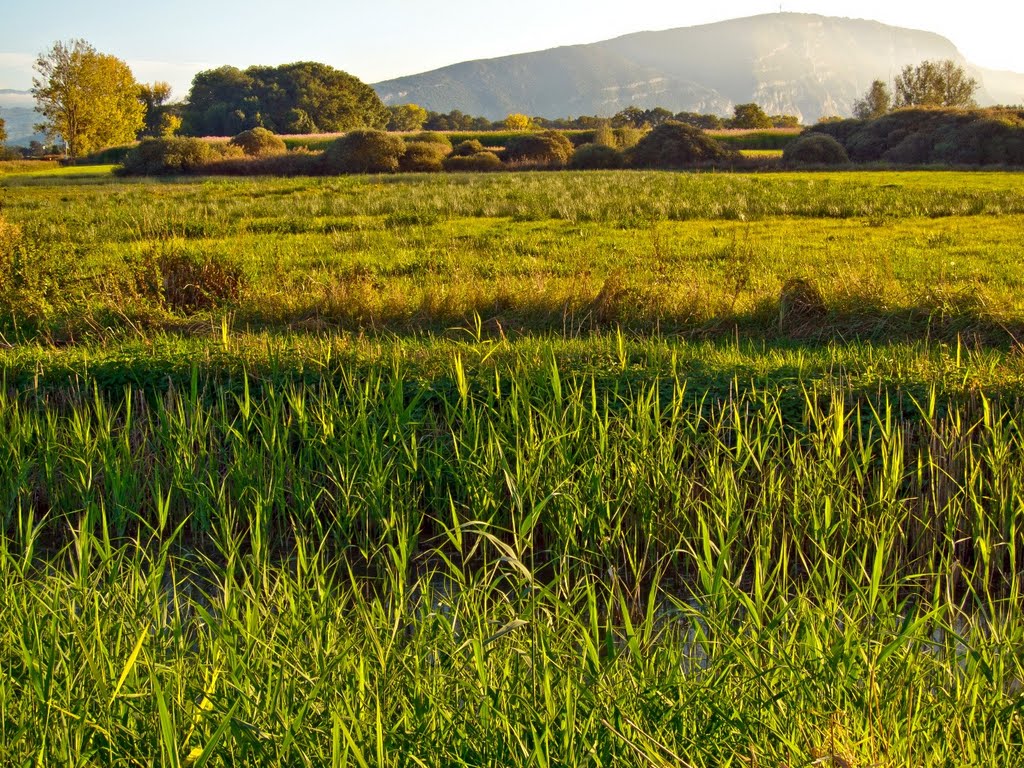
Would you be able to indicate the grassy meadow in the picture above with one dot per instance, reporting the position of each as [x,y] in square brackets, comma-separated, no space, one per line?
[539,469]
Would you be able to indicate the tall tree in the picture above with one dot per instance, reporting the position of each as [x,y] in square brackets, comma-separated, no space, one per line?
[154,98]
[89,99]
[3,131]
[303,97]
[749,116]
[877,101]
[935,84]
[406,117]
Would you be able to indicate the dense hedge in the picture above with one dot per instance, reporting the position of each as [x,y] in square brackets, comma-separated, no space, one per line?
[933,137]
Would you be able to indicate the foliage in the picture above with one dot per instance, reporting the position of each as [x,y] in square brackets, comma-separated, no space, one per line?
[518,122]
[89,99]
[406,117]
[478,162]
[467,148]
[785,121]
[815,149]
[364,151]
[547,148]
[432,137]
[423,156]
[749,116]
[160,117]
[635,117]
[875,103]
[302,97]
[934,136]
[595,156]
[676,145]
[3,131]
[259,141]
[698,120]
[164,156]
[935,84]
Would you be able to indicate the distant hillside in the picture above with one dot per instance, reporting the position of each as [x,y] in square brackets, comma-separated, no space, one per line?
[789,63]
[17,108]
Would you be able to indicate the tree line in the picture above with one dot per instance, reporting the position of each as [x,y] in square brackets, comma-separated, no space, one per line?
[91,100]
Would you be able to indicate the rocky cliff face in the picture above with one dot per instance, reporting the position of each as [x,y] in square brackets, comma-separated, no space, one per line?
[789,63]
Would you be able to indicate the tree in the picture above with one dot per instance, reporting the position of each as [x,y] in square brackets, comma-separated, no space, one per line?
[406,117]
[935,84]
[876,102]
[154,98]
[749,116]
[304,97]
[518,122]
[87,98]
[3,131]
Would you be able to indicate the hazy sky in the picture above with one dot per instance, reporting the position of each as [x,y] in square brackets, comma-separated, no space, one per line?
[380,39]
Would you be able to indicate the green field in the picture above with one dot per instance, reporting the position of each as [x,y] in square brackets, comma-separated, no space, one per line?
[521,468]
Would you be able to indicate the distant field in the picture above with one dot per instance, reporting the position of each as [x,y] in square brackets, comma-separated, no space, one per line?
[525,469]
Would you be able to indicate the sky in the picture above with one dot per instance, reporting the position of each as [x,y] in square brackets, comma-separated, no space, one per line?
[380,39]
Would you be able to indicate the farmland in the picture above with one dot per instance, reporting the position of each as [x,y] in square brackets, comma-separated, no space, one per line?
[518,468]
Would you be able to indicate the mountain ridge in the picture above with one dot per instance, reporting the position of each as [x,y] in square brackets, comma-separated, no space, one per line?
[804,64]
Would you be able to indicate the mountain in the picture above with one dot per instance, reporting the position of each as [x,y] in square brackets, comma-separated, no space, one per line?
[789,63]
[17,108]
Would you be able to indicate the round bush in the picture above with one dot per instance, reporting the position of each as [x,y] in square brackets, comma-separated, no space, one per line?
[167,156]
[257,142]
[815,149]
[432,137]
[467,148]
[595,156]
[423,156]
[550,148]
[677,145]
[364,151]
[480,162]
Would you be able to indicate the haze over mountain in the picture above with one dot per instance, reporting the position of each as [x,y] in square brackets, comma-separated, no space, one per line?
[789,63]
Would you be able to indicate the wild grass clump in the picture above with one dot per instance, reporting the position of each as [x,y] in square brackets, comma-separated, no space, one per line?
[187,279]
[423,156]
[678,145]
[259,142]
[595,156]
[364,151]
[166,156]
[478,162]
[548,149]
[816,149]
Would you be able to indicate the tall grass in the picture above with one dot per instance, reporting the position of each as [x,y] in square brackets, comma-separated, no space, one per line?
[529,573]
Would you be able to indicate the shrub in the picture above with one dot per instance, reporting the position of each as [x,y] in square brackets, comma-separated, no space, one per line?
[595,156]
[934,136]
[257,142]
[801,306]
[677,145]
[549,148]
[423,156]
[172,155]
[188,280]
[298,162]
[815,149]
[364,151]
[467,148]
[628,137]
[480,162]
[432,137]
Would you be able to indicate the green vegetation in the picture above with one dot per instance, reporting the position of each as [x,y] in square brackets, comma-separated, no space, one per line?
[89,99]
[948,137]
[304,97]
[588,468]
[257,142]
